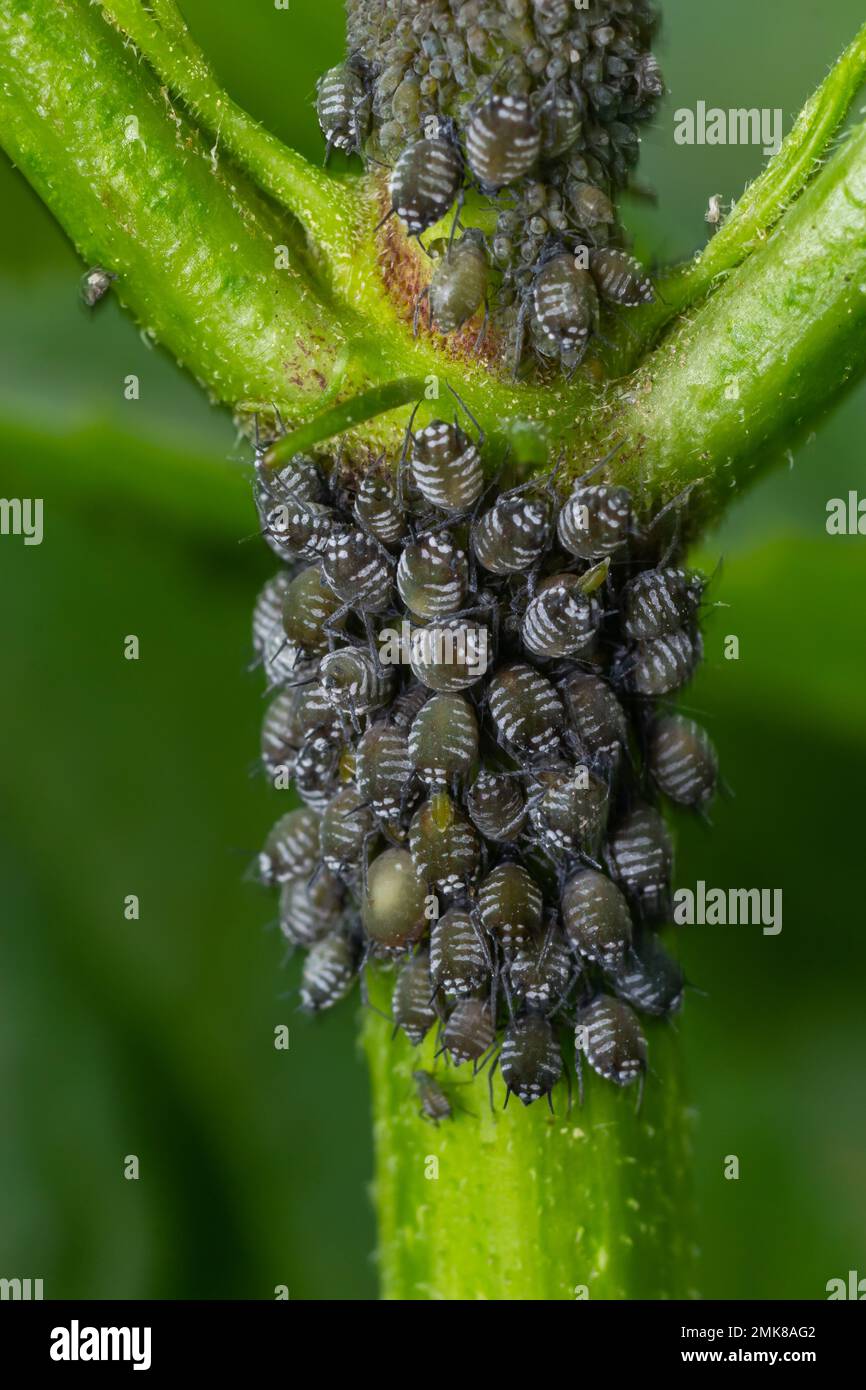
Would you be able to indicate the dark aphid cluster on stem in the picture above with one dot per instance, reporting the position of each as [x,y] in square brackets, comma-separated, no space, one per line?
[472,699]
[535,106]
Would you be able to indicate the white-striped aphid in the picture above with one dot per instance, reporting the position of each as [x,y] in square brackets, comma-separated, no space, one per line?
[426,180]
[608,1035]
[359,570]
[595,522]
[343,106]
[561,304]
[510,905]
[450,655]
[596,716]
[291,849]
[503,141]
[310,911]
[317,770]
[445,847]
[663,664]
[309,607]
[460,959]
[346,830]
[383,771]
[639,855]
[568,807]
[512,536]
[443,742]
[531,1060]
[469,1033]
[620,278]
[497,806]
[433,575]
[650,979]
[659,601]
[412,1005]
[540,975]
[377,507]
[445,466]
[596,919]
[682,760]
[329,972]
[354,683]
[563,617]
[526,710]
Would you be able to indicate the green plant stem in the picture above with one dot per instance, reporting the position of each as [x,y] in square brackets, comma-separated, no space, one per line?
[520,1204]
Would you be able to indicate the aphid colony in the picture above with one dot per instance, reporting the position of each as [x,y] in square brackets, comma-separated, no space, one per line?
[534,104]
[480,814]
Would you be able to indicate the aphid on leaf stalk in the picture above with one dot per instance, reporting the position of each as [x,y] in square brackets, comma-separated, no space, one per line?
[317,770]
[595,521]
[468,1034]
[308,912]
[568,807]
[329,972]
[460,961]
[435,1105]
[449,656]
[296,529]
[446,467]
[563,618]
[377,507]
[343,106]
[596,716]
[659,601]
[650,979]
[639,856]
[457,286]
[596,919]
[620,278]
[354,683]
[682,760]
[425,181]
[510,905]
[608,1034]
[359,570]
[540,974]
[433,576]
[281,736]
[383,770]
[503,141]
[411,1003]
[664,664]
[530,1061]
[95,284]
[512,536]
[561,304]
[346,828]
[309,605]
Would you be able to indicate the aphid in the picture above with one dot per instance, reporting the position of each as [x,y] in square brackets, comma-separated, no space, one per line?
[682,760]
[445,847]
[469,1032]
[459,958]
[392,912]
[609,1036]
[562,306]
[359,570]
[407,705]
[595,521]
[343,107]
[294,528]
[620,278]
[383,770]
[449,656]
[562,619]
[352,680]
[596,919]
[433,576]
[313,713]
[714,213]
[435,1105]
[568,807]
[300,479]
[268,613]
[458,284]
[640,857]
[292,848]
[443,741]
[530,1062]
[425,181]
[561,124]
[95,284]
[317,770]
[540,975]
[513,535]
[648,77]
[664,664]
[592,206]
[446,467]
[411,1003]
[510,906]
[308,605]
[659,601]
[526,710]
[650,979]
[347,826]
[281,736]
[329,972]
[596,716]
[503,142]
[377,507]
[309,912]
[497,806]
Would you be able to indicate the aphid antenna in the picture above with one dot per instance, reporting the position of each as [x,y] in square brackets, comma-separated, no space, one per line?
[482,332]
[404,454]
[468,413]
[596,467]
[380,224]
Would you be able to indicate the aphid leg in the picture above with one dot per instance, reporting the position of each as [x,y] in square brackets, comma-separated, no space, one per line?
[457,211]
[404,454]
[490,1085]
[382,222]
[425,294]
[465,408]
[640,1087]
[485,323]
[578,1071]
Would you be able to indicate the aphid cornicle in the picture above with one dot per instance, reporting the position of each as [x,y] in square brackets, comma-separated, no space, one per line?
[377,507]
[445,847]
[347,826]
[513,535]
[446,467]
[510,905]
[359,570]
[503,141]
[562,309]
[460,961]
[650,979]
[595,521]
[568,807]
[309,912]
[639,856]
[530,1062]
[562,619]
[682,760]
[664,664]
[353,683]
[469,1031]
[497,806]
[411,1003]
[620,278]
[433,575]
[458,284]
[609,1036]
[596,919]
[329,971]
[659,601]
[539,974]
[435,1105]
[425,182]
[343,107]
[450,656]
[526,710]
[596,716]
[383,770]
[392,912]
[443,741]
[292,848]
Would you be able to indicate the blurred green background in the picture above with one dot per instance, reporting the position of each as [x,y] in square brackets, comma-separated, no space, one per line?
[155,1037]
